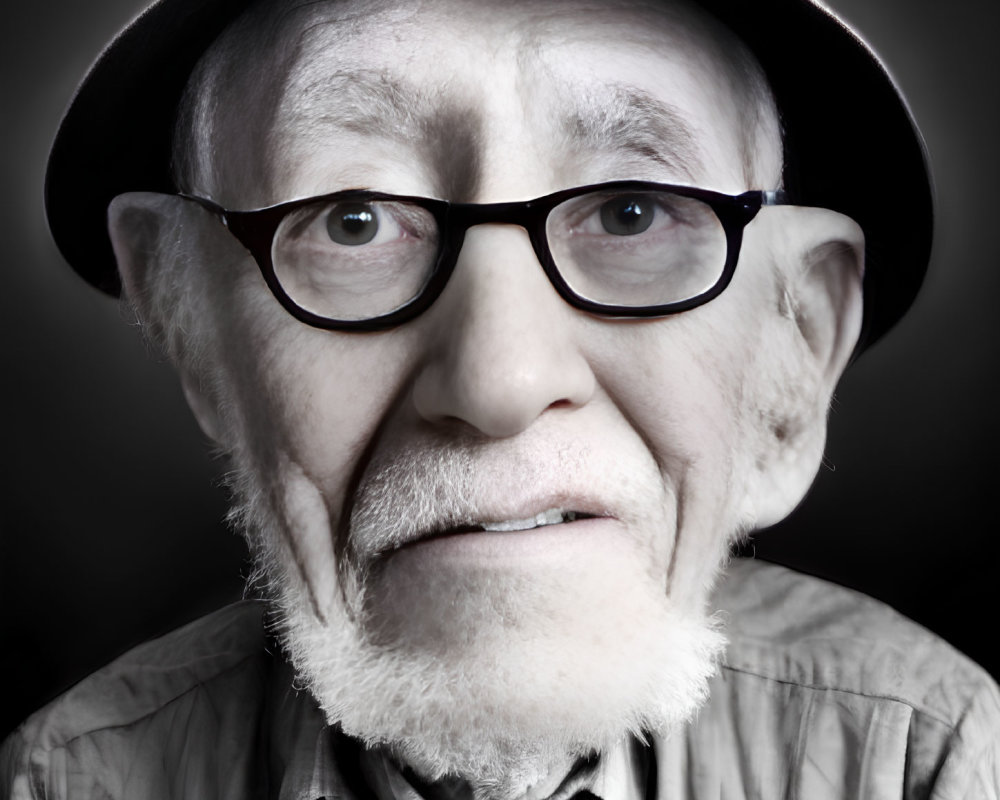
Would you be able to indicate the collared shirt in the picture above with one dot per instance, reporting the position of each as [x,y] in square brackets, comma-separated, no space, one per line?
[824,693]
[622,774]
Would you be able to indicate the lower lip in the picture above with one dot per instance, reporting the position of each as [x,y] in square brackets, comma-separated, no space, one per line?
[556,543]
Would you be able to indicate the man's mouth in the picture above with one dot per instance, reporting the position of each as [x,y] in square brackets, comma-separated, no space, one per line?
[555,536]
[543,519]
[553,516]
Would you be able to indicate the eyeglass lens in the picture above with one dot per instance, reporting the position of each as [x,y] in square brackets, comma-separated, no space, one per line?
[637,248]
[361,259]
[355,260]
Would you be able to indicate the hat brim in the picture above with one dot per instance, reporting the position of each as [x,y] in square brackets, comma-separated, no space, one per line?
[850,141]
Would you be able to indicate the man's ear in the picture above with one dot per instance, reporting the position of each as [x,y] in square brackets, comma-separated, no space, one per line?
[153,237]
[827,302]
[820,269]
[141,225]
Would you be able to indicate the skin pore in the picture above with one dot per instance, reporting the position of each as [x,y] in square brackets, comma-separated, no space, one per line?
[498,656]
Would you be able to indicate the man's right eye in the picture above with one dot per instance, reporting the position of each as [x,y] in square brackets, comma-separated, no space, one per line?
[352,228]
[352,223]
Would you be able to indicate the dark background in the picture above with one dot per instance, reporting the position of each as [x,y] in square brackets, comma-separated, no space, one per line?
[112,531]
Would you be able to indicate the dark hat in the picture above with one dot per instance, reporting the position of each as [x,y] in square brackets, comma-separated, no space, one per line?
[850,141]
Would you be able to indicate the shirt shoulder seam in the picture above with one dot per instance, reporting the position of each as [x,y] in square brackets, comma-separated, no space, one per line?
[152,712]
[951,726]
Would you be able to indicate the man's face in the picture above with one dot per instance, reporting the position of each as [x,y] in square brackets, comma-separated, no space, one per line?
[506,491]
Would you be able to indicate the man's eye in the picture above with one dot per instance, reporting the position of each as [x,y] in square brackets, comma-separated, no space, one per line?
[627,216]
[352,223]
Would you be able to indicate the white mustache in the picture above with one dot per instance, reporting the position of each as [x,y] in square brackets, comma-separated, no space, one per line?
[430,487]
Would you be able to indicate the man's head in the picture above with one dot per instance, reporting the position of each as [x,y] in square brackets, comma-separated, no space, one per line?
[384,478]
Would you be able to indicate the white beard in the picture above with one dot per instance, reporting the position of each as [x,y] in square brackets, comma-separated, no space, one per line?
[536,672]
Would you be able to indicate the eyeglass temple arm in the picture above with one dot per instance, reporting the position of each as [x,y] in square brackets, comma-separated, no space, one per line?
[252,238]
[775,198]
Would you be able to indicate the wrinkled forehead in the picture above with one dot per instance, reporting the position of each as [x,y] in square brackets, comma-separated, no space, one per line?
[451,87]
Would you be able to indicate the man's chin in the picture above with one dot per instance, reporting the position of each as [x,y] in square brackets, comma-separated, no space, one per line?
[496,675]
[458,596]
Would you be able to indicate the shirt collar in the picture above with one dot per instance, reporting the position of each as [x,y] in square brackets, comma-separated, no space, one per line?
[620,774]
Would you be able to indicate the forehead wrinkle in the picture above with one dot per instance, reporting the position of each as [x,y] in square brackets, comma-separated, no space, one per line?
[436,122]
[618,118]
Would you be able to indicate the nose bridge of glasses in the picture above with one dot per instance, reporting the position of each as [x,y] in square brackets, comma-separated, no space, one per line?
[528,215]
[463,216]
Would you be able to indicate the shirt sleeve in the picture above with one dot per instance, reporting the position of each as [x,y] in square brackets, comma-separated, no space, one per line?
[970,768]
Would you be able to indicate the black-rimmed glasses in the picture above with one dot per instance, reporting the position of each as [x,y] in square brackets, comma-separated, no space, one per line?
[360,260]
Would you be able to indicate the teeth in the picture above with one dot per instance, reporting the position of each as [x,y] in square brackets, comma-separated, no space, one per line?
[552,516]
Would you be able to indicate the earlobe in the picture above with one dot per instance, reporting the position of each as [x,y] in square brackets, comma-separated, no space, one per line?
[203,408]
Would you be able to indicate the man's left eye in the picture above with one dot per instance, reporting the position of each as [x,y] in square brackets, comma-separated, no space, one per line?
[352,223]
[622,215]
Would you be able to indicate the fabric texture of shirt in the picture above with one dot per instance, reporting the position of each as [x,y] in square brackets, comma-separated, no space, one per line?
[823,693]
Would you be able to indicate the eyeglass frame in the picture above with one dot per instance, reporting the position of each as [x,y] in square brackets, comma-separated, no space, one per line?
[255,230]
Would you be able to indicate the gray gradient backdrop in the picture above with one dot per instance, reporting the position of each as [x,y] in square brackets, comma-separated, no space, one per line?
[112,529]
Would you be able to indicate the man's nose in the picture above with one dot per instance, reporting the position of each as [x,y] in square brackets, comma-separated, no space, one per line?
[503,347]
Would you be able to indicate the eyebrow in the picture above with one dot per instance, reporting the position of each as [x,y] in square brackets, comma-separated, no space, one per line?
[379,104]
[624,119]
[366,103]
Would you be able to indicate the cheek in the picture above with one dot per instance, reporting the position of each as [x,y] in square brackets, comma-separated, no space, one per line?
[305,397]
[681,384]
[685,390]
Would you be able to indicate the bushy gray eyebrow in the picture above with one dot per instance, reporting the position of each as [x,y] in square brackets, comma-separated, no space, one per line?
[624,119]
[440,127]
[367,103]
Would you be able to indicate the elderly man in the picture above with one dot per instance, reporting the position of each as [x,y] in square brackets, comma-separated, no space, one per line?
[511,321]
